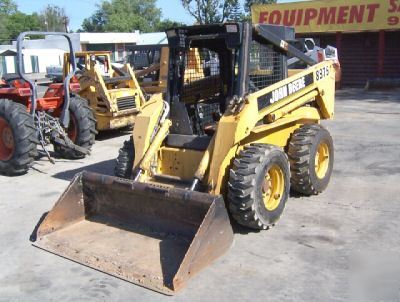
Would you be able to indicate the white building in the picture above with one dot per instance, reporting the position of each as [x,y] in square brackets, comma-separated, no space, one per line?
[49,51]
[35,60]
[116,43]
[152,38]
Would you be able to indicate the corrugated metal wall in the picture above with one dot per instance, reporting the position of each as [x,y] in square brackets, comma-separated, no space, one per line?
[359,58]
[391,65]
[359,55]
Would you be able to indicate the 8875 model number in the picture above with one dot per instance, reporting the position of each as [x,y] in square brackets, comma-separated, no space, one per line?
[322,73]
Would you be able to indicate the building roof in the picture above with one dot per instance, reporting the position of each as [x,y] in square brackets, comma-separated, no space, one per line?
[108,38]
[31,51]
[152,38]
[8,52]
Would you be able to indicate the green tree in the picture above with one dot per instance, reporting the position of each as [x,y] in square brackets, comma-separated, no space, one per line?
[249,3]
[236,13]
[209,11]
[19,22]
[167,24]
[7,7]
[124,16]
[4,36]
[13,22]
[95,23]
[54,18]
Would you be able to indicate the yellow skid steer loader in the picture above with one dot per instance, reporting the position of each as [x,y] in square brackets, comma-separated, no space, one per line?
[113,93]
[234,139]
[150,63]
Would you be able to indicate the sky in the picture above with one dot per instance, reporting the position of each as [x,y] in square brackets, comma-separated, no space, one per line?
[78,10]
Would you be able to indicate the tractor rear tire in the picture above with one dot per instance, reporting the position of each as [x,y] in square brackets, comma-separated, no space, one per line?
[125,159]
[82,128]
[311,159]
[18,142]
[258,186]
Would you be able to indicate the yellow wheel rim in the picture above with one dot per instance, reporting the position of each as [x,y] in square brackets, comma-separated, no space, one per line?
[322,160]
[273,187]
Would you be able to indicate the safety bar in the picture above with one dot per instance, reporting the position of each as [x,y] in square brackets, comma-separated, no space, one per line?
[64,117]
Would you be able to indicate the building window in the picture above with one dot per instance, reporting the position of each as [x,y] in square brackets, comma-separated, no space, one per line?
[120,51]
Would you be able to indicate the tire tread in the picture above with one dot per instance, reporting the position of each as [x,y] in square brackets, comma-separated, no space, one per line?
[25,140]
[241,184]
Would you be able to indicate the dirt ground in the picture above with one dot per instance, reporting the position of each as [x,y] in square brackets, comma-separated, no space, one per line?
[342,245]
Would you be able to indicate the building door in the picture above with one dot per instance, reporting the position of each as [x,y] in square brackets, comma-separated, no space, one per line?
[35,64]
[359,58]
[3,66]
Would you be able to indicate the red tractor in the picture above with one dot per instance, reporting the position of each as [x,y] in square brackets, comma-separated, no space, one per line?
[60,117]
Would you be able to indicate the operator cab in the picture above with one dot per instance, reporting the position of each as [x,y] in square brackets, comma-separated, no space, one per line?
[210,65]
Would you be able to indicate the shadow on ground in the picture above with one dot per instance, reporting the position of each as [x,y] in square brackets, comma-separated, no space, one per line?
[33,236]
[104,135]
[104,167]
[372,96]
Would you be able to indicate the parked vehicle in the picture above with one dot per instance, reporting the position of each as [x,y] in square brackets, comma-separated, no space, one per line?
[235,140]
[60,117]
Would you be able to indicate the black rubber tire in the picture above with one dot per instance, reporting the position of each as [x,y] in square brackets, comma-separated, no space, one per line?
[125,159]
[86,128]
[245,185]
[24,135]
[302,150]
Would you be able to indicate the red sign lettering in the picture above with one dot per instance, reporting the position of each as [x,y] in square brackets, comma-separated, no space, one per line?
[326,15]
[263,17]
[342,15]
[356,13]
[275,17]
[289,16]
[371,14]
[310,14]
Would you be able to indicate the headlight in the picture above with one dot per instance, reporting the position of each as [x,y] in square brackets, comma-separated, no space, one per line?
[231,28]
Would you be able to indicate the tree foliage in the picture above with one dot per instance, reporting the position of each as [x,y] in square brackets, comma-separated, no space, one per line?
[247,7]
[19,22]
[54,18]
[7,7]
[210,11]
[236,13]
[167,24]
[123,16]
[249,3]
[13,22]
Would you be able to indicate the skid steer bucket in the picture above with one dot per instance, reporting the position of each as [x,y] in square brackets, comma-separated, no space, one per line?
[152,236]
